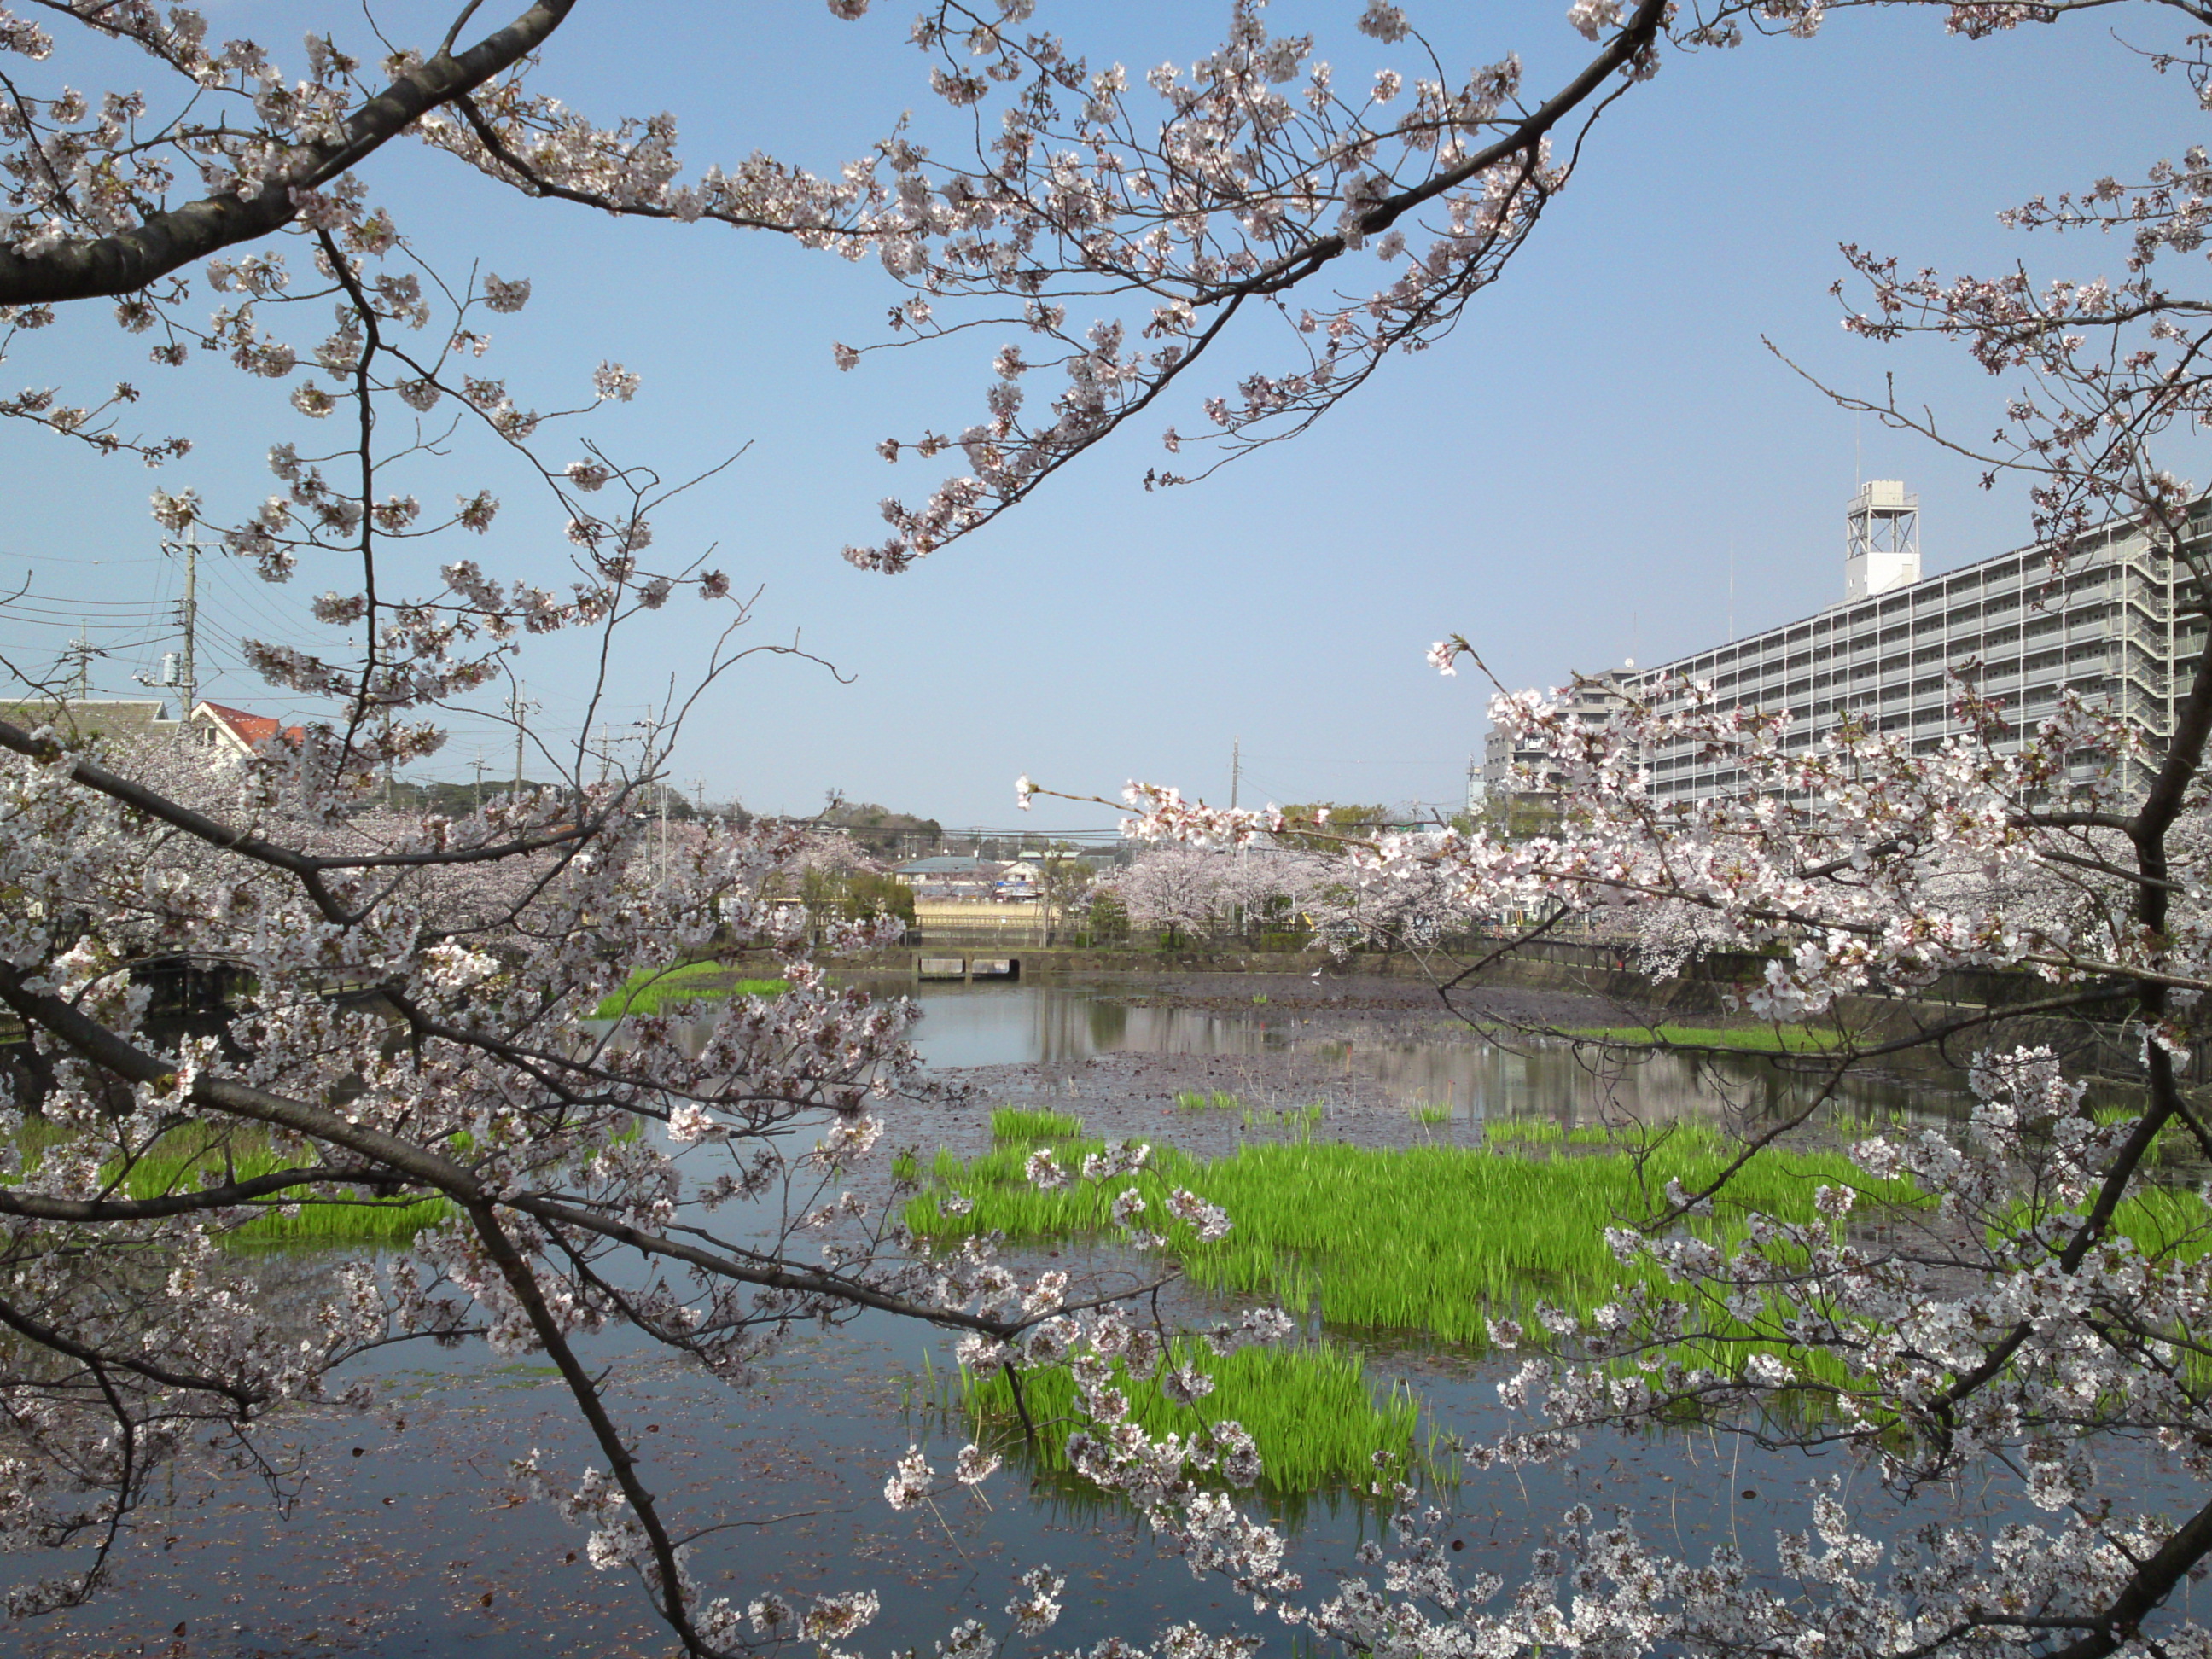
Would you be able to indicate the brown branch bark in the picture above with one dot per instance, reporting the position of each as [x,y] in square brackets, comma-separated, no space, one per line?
[123,1059]
[40,1207]
[83,269]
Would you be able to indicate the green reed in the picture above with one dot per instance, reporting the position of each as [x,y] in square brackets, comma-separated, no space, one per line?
[1545,1131]
[1428,1238]
[1287,1117]
[1310,1408]
[1028,1125]
[1749,1039]
[655,990]
[1200,1100]
[184,1162]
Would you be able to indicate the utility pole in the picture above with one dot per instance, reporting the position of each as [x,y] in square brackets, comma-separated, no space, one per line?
[479,796]
[519,687]
[82,652]
[189,613]
[1236,768]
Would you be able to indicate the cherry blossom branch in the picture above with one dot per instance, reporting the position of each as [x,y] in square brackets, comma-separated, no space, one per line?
[79,269]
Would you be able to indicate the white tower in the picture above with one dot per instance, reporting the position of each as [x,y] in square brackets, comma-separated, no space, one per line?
[1884,550]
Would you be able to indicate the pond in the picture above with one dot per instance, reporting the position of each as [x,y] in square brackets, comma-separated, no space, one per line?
[397,1534]
[1424,1058]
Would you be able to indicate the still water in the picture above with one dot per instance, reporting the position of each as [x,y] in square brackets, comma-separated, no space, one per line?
[401,1539]
[1434,1062]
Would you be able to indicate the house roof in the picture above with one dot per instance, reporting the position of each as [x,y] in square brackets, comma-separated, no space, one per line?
[947,864]
[250,731]
[111,717]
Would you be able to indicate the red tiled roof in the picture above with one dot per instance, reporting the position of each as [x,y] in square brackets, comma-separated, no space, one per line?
[252,730]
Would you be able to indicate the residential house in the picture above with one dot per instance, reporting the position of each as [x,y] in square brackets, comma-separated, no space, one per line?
[235,733]
[77,719]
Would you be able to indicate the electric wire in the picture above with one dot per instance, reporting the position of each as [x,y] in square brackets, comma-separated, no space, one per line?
[63,558]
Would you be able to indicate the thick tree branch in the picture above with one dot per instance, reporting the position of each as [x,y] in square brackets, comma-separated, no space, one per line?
[121,263]
[125,1059]
[40,1207]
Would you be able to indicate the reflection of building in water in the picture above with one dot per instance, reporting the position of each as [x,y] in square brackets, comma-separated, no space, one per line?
[1032,1024]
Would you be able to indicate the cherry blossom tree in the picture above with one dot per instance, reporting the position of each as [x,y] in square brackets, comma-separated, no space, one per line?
[1183,888]
[410,1027]
[2032,1318]
[409,990]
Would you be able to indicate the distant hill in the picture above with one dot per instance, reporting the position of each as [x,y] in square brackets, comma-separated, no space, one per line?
[883,833]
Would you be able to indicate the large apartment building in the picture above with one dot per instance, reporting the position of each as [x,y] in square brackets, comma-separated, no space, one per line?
[2107,628]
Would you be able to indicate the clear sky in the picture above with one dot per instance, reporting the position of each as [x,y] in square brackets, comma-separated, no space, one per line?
[1563,480]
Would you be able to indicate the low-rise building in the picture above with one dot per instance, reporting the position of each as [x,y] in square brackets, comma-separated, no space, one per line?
[236,732]
[80,718]
[951,875]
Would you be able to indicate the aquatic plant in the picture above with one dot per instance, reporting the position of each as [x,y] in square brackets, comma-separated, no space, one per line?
[1283,1117]
[1424,1112]
[1025,1124]
[1749,1039]
[1545,1131]
[1308,1406]
[1201,1100]
[653,990]
[184,1162]
[1428,1238]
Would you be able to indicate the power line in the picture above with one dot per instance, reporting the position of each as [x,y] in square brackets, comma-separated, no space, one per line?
[241,594]
[67,608]
[78,620]
[64,598]
[62,558]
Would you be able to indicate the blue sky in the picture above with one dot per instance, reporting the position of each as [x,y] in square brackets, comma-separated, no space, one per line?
[1562,481]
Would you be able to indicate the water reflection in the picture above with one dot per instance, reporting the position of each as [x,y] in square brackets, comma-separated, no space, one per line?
[965,1026]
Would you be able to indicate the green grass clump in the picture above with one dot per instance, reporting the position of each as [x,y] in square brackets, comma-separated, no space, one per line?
[1750,1039]
[1308,1408]
[1425,1113]
[1544,1132]
[2172,1144]
[1199,1100]
[1288,1117]
[341,1217]
[1427,1238]
[1019,1124]
[333,1221]
[654,990]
